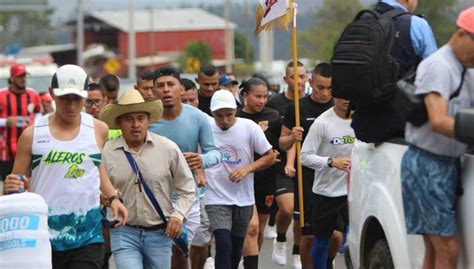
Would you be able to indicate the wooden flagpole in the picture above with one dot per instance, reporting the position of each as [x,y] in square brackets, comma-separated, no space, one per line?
[297,112]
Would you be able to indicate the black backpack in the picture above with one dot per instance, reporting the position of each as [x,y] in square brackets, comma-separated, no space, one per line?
[412,106]
[363,71]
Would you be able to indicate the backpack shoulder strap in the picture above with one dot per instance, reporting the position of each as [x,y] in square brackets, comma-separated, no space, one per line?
[371,12]
[148,191]
[394,12]
[458,90]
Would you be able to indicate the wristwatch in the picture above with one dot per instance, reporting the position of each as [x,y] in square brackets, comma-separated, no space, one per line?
[115,196]
[329,162]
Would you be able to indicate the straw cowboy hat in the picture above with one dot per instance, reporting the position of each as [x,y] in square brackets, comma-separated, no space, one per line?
[131,101]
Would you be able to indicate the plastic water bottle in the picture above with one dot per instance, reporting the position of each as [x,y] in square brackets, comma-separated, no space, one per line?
[21,178]
[22,121]
[110,217]
[24,236]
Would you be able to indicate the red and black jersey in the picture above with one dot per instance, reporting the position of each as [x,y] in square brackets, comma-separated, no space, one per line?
[24,104]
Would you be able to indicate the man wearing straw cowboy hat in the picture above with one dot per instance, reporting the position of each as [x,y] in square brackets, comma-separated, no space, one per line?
[135,162]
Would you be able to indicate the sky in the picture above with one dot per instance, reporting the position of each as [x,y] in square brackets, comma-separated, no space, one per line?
[65,9]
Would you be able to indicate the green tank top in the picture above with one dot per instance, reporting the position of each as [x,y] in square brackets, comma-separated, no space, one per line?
[114,134]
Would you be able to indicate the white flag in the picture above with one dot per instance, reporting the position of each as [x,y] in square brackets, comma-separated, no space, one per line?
[270,13]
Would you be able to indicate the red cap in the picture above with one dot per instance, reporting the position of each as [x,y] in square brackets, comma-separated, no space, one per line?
[46,97]
[466,20]
[17,70]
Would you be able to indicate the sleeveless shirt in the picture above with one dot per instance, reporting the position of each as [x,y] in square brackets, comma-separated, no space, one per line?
[66,175]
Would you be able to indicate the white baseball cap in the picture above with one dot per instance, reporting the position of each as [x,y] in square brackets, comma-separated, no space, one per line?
[222,99]
[70,79]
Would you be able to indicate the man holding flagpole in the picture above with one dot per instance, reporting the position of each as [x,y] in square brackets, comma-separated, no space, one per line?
[311,107]
[284,181]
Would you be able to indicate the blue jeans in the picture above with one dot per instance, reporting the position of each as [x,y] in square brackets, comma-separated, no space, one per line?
[138,249]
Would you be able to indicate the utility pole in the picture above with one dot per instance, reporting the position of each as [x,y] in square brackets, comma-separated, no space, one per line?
[265,39]
[80,33]
[247,30]
[132,69]
[229,38]
[152,37]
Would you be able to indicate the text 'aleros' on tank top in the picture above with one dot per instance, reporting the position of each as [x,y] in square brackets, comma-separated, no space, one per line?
[66,175]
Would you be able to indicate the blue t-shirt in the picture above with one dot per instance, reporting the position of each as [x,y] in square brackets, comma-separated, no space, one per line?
[422,37]
[190,130]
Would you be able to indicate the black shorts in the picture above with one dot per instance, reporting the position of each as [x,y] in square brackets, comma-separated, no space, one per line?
[5,169]
[87,257]
[308,178]
[283,183]
[329,214]
[264,190]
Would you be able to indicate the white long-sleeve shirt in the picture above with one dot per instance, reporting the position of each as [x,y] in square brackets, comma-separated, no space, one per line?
[329,136]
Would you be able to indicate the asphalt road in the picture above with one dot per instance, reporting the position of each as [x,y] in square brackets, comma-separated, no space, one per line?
[265,256]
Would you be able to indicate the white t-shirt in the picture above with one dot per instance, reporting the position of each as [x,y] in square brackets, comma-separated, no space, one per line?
[329,136]
[238,145]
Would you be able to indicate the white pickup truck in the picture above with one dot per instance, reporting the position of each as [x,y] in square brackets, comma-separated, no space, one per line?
[377,235]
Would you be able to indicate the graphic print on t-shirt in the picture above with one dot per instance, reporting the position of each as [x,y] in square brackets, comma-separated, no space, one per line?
[230,155]
[73,159]
[264,125]
[347,139]
[66,175]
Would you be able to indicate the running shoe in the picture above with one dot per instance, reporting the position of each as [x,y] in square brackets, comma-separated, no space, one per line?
[279,252]
[270,232]
[209,263]
[296,261]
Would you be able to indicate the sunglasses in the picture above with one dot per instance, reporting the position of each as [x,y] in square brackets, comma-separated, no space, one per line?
[91,102]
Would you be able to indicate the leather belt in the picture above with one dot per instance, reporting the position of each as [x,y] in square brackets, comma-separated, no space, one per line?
[161,226]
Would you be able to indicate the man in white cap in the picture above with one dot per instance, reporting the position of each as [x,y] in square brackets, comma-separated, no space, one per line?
[229,196]
[62,151]
[145,241]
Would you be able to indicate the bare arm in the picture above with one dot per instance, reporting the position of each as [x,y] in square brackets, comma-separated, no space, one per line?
[290,162]
[201,177]
[101,131]
[266,160]
[106,187]
[9,121]
[22,163]
[289,137]
[438,116]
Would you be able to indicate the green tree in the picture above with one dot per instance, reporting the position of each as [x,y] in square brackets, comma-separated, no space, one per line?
[243,50]
[440,16]
[318,42]
[29,28]
[243,69]
[195,54]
